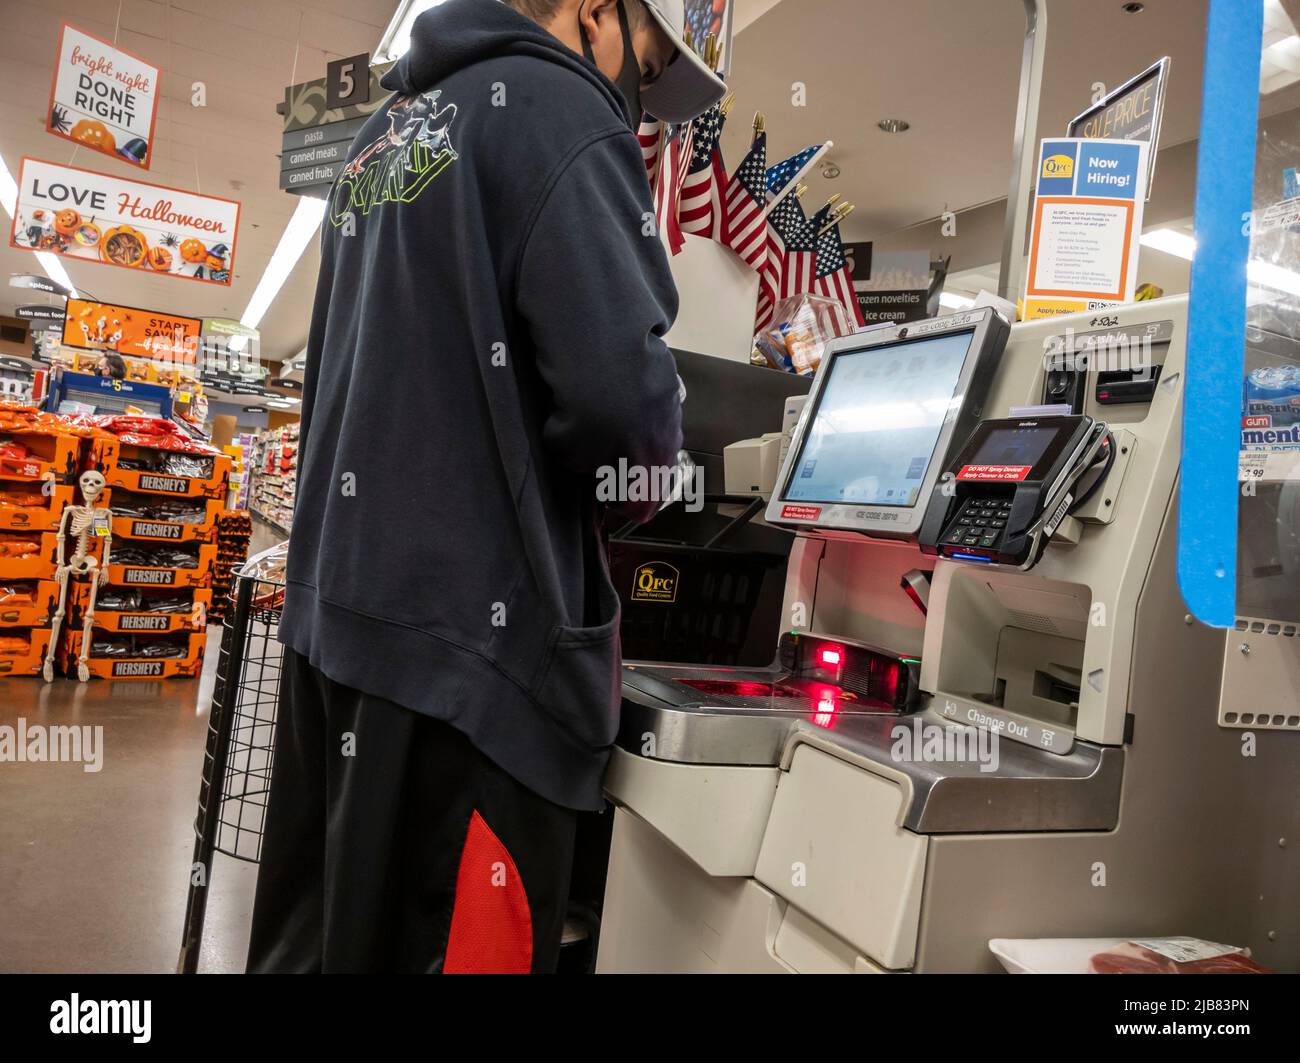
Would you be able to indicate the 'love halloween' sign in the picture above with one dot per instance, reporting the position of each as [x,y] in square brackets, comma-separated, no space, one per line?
[97,218]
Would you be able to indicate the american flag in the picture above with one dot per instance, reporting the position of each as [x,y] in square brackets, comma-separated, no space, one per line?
[679,142]
[701,208]
[833,277]
[648,135]
[791,265]
[823,215]
[787,170]
[704,17]
[744,227]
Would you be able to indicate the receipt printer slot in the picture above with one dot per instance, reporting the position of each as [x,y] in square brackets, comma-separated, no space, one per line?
[1119,386]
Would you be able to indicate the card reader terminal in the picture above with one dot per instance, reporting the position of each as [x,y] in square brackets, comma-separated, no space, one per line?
[1010,487]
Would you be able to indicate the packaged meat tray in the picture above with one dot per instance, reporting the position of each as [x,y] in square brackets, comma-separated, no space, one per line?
[1172,955]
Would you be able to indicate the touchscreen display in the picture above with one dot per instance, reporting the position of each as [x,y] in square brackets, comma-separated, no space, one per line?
[1015,446]
[877,422]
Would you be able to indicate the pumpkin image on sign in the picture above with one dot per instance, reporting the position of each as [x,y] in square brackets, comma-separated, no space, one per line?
[94,135]
[193,250]
[66,222]
[123,246]
[88,234]
[159,258]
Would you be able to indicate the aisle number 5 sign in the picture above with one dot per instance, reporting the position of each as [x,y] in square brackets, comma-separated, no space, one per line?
[347,81]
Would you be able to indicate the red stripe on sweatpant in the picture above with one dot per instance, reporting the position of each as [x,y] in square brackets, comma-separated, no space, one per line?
[491,925]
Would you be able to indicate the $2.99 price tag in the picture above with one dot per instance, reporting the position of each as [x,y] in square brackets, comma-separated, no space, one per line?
[1251,466]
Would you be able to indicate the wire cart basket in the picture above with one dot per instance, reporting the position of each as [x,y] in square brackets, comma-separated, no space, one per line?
[237,761]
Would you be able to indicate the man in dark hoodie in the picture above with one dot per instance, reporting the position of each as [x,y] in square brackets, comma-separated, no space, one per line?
[486,342]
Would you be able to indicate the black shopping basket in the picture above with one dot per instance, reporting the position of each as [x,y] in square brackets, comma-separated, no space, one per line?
[692,602]
[236,779]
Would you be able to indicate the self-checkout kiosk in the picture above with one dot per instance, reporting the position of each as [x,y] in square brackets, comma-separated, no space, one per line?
[989,714]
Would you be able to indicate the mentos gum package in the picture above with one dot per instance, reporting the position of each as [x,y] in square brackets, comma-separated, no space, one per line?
[1271,418]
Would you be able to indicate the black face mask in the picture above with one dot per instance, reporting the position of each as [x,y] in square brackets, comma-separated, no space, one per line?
[629,77]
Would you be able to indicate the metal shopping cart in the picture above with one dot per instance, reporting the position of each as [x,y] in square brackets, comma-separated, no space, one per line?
[239,756]
[236,779]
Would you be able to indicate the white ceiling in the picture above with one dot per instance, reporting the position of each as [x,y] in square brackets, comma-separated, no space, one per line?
[246,52]
[950,67]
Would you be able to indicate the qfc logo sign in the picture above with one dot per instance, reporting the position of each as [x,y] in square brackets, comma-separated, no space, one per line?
[655,581]
[1058,166]
[1059,159]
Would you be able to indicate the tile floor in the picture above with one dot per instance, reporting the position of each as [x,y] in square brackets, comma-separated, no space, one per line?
[94,866]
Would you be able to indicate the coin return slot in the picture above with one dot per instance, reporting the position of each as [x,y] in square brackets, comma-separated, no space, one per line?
[1059,684]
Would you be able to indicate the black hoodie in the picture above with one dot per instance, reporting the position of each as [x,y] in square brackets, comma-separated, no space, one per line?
[486,336]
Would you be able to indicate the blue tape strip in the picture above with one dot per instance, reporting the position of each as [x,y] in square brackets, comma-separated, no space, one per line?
[1216,325]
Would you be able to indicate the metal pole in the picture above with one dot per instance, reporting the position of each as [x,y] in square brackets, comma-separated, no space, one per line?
[1024,150]
[220,722]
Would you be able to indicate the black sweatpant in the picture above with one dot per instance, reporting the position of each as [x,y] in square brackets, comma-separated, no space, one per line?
[392,844]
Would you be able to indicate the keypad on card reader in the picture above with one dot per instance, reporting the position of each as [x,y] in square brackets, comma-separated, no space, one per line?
[980,523]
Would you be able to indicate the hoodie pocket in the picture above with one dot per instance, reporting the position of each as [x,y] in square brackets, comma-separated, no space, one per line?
[580,683]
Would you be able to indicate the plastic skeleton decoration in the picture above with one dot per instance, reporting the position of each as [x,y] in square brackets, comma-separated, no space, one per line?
[101,334]
[80,521]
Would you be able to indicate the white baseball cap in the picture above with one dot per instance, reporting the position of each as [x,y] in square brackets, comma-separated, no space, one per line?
[687,87]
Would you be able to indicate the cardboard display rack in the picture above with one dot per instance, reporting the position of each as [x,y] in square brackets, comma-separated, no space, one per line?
[20,611]
[166,531]
[29,656]
[143,622]
[147,576]
[44,517]
[102,452]
[134,667]
[39,565]
[234,530]
[162,483]
[50,457]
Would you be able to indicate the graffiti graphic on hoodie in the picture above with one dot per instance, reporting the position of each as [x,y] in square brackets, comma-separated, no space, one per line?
[401,164]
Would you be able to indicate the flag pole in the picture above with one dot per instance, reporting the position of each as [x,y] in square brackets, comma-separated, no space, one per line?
[839,215]
[790,185]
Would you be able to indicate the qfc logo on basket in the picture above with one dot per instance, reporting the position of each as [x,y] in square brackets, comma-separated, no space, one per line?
[655,581]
